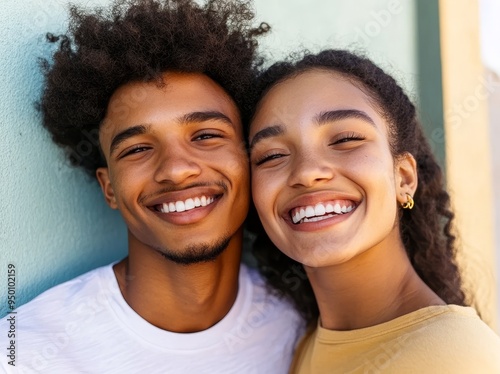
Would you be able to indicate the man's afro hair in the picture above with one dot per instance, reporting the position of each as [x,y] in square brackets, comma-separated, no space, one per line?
[138,40]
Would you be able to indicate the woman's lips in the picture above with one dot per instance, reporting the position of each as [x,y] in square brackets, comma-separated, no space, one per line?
[320,211]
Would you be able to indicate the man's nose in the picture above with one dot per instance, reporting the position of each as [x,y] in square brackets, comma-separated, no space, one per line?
[176,165]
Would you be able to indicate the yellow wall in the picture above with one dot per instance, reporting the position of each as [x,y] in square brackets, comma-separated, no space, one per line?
[468,157]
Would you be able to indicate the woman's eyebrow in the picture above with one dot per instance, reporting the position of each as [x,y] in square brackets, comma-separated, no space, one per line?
[341,114]
[265,133]
[321,119]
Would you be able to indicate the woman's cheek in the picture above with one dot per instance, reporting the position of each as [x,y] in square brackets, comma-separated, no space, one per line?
[264,195]
[258,190]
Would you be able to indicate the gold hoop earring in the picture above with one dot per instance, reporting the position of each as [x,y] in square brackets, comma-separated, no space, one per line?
[409,202]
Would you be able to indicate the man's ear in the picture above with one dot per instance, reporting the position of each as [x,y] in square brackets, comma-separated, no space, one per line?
[406,177]
[102,175]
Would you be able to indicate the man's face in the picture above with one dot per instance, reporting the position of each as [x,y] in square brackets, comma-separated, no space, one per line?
[177,166]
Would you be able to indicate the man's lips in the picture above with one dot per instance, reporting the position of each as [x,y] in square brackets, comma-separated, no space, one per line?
[183,205]
[186,207]
[185,200]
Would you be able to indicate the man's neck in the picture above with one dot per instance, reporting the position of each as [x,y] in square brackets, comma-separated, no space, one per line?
[180,298]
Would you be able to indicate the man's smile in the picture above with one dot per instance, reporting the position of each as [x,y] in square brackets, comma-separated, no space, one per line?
[188,204]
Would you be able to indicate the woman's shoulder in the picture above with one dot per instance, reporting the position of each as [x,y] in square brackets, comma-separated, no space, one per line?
[451,337]
[452,321]
[445,339]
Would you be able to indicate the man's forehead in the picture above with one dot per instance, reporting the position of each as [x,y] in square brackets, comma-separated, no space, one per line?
[177,94]
[173,84]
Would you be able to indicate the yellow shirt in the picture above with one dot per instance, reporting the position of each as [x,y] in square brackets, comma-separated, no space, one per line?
[435,339]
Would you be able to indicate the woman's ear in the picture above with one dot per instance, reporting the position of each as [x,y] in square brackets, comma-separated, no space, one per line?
[406,176]
[102,175]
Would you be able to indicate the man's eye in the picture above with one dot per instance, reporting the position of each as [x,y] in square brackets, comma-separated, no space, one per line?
[206,136]
[137,149]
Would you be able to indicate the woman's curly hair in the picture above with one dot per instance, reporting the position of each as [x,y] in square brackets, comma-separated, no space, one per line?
[426,230]
[139,40]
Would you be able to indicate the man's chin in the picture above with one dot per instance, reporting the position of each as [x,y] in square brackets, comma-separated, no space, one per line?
[197,253]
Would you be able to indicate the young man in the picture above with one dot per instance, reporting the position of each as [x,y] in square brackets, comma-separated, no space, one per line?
[160,83]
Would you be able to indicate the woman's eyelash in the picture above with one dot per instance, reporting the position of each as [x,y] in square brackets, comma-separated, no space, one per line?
[268,157]
[349,137]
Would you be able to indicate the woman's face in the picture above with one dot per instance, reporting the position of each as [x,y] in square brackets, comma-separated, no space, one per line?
[324,182]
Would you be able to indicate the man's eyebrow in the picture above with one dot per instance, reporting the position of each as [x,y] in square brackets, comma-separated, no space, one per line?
[126,134]
[341,114]
[265,133]
[205,116]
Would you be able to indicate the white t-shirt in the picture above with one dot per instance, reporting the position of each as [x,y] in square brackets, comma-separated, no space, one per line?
[85,326]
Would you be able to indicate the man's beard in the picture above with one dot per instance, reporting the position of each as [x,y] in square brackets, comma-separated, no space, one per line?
[197,253]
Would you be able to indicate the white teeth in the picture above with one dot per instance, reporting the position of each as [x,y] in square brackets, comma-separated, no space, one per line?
[315,219]
[300,214]
[179,206]
[319,210]
[296,217]
[188,204]
[309,211]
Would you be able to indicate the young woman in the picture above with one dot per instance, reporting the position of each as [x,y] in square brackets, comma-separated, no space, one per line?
[345,184]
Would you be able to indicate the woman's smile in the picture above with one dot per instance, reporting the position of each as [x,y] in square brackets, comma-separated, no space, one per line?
[323,176]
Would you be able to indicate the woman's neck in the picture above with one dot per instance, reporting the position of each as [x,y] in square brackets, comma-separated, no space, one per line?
[376,286]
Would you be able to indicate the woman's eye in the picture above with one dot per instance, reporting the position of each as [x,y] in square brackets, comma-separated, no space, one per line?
[268,157]
[348,138]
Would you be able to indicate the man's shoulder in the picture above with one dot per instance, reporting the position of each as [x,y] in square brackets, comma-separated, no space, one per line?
[65,298]
[269,302]
[261,291]
[265,322]
[62,327]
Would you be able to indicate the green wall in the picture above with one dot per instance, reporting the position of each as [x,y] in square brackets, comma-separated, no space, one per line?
[429,75]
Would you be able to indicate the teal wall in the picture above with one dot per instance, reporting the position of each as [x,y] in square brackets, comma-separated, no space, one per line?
[384,29]
[429,75]
[54,223]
